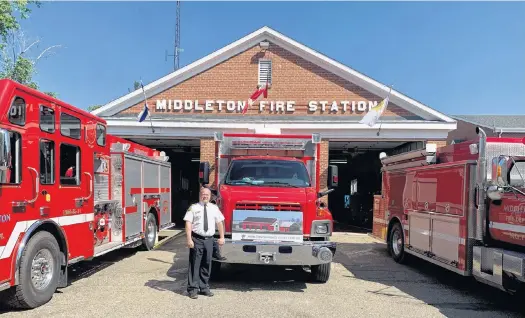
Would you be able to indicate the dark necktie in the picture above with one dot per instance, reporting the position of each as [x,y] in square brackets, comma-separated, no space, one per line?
[205,219]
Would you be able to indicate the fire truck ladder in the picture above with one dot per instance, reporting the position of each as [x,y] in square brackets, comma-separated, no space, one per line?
[411,159]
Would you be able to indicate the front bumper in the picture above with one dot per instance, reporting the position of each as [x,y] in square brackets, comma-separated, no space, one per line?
[275,253]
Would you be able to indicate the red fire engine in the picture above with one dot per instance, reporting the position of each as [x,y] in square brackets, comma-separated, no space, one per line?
[460,207]
[268,188]
[69,192]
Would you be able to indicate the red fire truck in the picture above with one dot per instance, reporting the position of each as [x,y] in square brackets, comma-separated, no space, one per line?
[69,192]
[460,207]
[268,188]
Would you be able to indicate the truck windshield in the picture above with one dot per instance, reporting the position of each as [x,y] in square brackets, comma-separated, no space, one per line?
[268,173]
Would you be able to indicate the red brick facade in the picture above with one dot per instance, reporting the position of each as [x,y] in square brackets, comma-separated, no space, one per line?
[293,79]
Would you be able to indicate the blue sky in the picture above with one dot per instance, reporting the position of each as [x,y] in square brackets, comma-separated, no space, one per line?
[456,57]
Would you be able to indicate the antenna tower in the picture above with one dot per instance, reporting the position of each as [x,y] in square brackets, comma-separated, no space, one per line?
[177,48]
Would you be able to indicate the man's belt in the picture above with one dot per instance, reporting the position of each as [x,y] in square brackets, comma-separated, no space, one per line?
[200,236]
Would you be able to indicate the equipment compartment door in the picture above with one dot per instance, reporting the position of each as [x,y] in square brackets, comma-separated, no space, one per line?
[133,196]
[165,197]
[419,231]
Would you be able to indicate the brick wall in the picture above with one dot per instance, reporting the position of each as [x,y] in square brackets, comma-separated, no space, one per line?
[207,153]
[294,79]
[439,143]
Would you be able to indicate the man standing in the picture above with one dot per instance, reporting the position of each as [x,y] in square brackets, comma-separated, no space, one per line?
[201,219]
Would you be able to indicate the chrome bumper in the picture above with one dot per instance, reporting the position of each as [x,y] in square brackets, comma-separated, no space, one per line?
[274,253]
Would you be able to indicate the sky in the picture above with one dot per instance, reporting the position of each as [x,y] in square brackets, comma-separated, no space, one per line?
[455,57]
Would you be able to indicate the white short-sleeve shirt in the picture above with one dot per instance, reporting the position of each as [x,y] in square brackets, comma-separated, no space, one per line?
[195,215]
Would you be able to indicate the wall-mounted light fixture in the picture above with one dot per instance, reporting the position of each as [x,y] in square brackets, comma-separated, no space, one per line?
[264,45]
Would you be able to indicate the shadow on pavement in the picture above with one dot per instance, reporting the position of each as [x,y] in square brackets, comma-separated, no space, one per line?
[83,270]
[231,276]
[450,293]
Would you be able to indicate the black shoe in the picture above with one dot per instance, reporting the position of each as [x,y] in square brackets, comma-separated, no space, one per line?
[219,258]
[206,293]
[193,295]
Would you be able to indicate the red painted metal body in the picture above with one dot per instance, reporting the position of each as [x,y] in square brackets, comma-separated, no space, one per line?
[431,196]
[295,199]
[268,191]
[60,180]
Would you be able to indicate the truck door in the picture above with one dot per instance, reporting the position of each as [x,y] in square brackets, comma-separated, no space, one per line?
[75,182]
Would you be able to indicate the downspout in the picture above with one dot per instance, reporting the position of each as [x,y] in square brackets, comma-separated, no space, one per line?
[481,178]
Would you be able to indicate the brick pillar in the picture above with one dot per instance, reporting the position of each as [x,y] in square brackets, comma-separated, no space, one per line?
[208,154]
[439,143]
[323,165]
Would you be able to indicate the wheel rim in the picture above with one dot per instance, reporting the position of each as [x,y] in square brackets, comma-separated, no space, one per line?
[42,268]
[397,242]
[151,231]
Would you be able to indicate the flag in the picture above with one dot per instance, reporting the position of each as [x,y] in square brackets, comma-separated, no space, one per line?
[255,96]
[375,112]
[145,111]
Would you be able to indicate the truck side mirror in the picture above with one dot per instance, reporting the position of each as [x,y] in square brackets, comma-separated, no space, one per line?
[333,176]
[500,171]
[204,172]
[5,155]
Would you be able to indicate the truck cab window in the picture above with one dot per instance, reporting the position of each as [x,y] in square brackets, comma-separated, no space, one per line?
[268,173]
[47,162]
[14,172]
[517,174]
[69,165]
[47,119]
[17,112]
[101,135]
[70,126]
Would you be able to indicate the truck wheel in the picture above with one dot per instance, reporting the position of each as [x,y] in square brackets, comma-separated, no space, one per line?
[39,272]
[321,273]
[150,233]
[396,246]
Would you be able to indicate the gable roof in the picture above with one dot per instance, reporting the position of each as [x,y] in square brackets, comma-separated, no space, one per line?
[253,39]
[504,123]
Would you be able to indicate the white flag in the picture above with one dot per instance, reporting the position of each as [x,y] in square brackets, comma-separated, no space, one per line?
[375,112]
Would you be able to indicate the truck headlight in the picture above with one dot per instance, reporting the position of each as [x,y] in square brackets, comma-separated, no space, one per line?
[321,229]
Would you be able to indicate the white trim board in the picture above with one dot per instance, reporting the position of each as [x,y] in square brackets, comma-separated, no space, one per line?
[431,131]
[252,39]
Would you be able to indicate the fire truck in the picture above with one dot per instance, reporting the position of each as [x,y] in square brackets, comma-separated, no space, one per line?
[268,189]
[461,207]
[69,192]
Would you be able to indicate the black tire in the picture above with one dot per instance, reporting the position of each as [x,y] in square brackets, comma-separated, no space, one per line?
[320,273]
[396,233]
[148,242]
[25,295]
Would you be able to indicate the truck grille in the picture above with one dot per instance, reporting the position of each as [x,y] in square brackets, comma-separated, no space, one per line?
[268,206]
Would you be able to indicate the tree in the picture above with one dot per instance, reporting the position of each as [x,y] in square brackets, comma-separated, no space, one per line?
[136,85]
[16,62]
[8,20]
[93,107]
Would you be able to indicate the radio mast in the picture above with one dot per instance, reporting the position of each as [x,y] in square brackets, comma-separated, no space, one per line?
[177,48]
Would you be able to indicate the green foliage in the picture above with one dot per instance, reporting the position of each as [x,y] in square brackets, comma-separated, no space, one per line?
[8,19]
[16,64]
[93,107]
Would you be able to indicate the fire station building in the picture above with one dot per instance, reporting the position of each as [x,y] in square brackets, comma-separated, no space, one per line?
[309,93]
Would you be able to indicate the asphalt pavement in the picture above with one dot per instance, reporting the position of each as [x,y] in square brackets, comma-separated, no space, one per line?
[364,282]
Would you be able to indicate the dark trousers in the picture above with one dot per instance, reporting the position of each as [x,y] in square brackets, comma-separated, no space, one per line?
[216,250]
[200,264]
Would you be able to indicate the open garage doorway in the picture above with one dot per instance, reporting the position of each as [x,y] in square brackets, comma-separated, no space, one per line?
[359,166]
[184,156]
